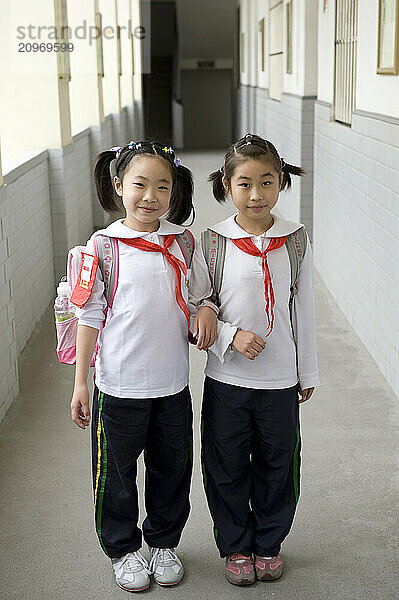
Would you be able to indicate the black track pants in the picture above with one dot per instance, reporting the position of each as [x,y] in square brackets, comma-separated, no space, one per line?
[251,461]
[121,429]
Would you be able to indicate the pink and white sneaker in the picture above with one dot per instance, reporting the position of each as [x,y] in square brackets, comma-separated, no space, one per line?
[267,569]
[239,569]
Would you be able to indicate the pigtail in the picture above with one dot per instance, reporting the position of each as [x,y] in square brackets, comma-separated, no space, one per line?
[181,201]
[104,183]
[287,171]
[217,186]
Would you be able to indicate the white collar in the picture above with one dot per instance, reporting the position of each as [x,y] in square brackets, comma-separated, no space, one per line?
[118,229]
[229,228]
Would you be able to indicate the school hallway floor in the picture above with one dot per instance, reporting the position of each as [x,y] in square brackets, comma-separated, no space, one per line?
[344,538]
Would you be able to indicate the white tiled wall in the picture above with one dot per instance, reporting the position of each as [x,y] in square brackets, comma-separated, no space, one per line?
[47,206]
[289,126]
[27,228]
[8,345]
[356,233]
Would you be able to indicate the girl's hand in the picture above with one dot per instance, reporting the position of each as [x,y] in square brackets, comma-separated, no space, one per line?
[80,408]
[205,327]
[305,394]
[248,344]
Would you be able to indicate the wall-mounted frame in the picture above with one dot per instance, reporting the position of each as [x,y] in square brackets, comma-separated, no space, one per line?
[262,43]
[289,37]
[99,41]
[61,22]
[388,34]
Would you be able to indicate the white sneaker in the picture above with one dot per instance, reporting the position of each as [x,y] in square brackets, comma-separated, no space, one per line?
[131,572]
[166,566]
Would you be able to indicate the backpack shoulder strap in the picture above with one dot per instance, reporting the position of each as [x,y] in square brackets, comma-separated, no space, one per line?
[214,249]
[187,244]
[74,262]
[296,247]
[106,248]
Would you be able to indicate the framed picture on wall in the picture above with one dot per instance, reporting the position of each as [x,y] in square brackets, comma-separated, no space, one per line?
[388,25]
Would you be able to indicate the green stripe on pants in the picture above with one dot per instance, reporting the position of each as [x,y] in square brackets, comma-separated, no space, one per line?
[104,475]
[296,466]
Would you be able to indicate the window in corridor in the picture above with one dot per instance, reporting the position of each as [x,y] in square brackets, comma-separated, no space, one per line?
[345,59]
[276,49]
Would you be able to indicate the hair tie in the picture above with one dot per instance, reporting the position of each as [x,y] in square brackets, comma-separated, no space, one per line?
[168,150]
[112,169]
[116,149]
[133,146]
[282,163]
[177,161]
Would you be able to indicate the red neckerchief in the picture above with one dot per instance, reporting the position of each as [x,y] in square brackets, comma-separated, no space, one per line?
[247,245]
[177,264]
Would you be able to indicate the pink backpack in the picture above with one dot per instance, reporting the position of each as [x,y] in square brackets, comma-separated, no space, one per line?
[107,251]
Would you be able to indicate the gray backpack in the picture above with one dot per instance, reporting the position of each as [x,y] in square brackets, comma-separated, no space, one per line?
[214,249]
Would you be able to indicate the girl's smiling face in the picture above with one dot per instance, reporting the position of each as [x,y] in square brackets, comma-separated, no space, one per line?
[146,190]
[254,187]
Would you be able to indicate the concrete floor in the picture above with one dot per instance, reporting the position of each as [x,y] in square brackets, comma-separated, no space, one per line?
[343,542]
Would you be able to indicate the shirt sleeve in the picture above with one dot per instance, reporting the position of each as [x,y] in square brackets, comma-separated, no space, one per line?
[222,345]
[303,317]
[92,313]
[200,286]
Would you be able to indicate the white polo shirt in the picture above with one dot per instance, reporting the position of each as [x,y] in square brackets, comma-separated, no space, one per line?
[144,347]
[282,363]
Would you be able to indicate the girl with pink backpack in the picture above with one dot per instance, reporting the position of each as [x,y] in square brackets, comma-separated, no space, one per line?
[141,281]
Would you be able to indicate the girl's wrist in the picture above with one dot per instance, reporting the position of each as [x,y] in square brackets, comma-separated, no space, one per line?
[208,304]
[80,383]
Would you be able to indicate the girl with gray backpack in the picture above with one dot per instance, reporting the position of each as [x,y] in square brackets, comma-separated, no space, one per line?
[262,271]
[139,283]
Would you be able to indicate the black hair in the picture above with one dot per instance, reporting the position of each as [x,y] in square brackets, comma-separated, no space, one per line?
[111,163]
[250,146]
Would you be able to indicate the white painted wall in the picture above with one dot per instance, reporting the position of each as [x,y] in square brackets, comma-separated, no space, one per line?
[326,53]
[356,226]
[126,81]
[262,13]
[310,36]
[84,107]
[110,80]
[29,114]
[303,80]
[374,93]
[245,29]
[252,39]
[137,79]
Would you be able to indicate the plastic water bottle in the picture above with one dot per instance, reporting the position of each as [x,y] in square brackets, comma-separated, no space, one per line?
[63,309]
